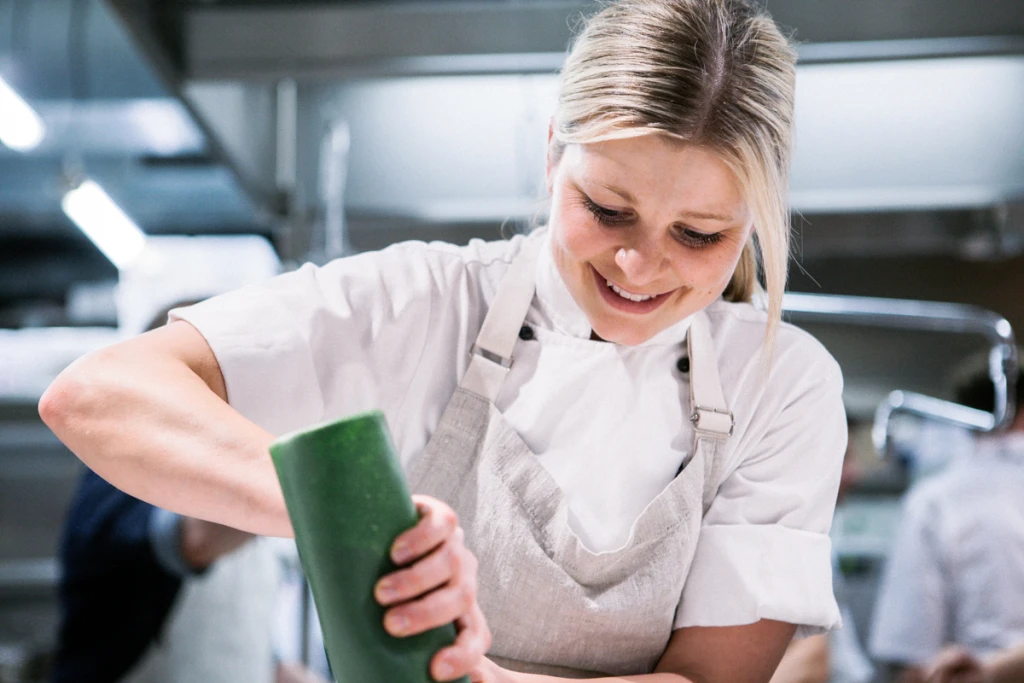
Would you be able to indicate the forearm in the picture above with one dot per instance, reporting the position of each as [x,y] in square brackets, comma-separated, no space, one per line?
[148,424]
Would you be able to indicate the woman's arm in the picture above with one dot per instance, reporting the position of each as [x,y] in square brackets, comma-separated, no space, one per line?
[725,654]
[150,415]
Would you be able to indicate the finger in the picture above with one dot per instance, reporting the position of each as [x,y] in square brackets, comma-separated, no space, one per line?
[437,608]
[434,570]
[437,522]
[466,654]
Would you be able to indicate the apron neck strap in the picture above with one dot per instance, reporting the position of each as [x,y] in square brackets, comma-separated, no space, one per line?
[708,411]
[491,356]
[712,421]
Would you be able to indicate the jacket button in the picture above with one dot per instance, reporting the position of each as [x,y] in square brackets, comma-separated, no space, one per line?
[526,333]
[683,364]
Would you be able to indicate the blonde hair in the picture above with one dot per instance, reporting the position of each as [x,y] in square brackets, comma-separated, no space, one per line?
[714,73]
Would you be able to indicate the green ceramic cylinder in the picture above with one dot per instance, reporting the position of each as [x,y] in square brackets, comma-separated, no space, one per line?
[348,501]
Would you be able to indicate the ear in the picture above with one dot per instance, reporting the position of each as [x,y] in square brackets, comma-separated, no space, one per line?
[549,172]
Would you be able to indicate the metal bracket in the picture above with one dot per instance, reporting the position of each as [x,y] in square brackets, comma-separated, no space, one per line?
[476,350]
[695,418]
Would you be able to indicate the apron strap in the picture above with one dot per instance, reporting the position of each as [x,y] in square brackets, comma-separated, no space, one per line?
[712,421]
[491,355]
[708,412]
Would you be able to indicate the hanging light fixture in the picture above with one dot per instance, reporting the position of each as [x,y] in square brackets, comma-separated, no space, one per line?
[104,223]
[21,128]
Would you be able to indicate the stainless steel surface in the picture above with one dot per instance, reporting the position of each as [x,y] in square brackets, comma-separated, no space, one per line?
[328,40]
[332,39]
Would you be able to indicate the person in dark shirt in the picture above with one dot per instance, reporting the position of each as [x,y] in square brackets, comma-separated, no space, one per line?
[123,563]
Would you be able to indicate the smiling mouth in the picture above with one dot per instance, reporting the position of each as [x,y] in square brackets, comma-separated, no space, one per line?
[627,295]
[626,301]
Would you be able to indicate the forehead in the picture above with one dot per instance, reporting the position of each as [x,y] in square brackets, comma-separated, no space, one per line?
[656,169]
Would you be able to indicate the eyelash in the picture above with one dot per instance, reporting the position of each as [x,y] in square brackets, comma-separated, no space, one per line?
[687,237]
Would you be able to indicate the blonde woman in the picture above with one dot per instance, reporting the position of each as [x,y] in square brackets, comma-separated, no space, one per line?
[625,468]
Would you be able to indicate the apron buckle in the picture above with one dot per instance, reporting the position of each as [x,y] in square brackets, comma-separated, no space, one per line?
[713,421]
[477,350]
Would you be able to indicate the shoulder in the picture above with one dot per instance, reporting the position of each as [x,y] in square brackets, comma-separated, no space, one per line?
[787,400]
[952,488]
[476,255]
[796,356]
[438,266]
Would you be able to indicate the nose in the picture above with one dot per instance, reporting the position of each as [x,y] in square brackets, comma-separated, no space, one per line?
[640,262]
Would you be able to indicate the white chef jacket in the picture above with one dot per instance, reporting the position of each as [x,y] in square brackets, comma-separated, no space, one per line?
[956,569]
[392,330]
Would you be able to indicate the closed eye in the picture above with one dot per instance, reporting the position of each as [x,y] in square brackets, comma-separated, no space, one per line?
[696,239]
[604,215]
[687,236]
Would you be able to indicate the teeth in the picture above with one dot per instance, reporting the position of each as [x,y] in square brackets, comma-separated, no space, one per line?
[627,295]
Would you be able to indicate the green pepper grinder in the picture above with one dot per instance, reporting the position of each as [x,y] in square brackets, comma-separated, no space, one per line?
[348,501]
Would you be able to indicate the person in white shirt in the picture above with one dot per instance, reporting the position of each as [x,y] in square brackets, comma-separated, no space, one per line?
[953,579]
[624,467]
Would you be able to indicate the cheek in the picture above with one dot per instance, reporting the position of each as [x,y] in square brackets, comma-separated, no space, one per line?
[709,273]
[577,236]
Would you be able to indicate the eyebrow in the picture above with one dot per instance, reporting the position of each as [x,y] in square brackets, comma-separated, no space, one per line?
[699,215]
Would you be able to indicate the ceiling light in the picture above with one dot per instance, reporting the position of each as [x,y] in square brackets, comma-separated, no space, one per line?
[21,129]
[104,223]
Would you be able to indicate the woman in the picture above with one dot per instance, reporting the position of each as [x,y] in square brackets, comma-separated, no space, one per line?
[589,401]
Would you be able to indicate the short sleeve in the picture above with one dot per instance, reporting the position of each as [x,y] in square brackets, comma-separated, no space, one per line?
[911,619]
[764,550]
[320,342]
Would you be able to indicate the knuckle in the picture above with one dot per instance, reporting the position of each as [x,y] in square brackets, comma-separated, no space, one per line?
[472,564]
[448,519]
[456,561]
[466,596]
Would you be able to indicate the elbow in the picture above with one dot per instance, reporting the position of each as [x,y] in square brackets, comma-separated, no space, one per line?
[56,404]
[66,404]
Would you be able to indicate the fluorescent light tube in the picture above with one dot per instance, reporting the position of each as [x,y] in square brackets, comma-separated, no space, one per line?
[21,129]
[103,222]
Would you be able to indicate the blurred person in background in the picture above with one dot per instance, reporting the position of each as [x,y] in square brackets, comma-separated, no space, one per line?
[839,656]
[147,595]
[952,587]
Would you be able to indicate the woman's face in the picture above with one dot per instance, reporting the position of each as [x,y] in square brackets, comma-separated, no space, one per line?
[646,231]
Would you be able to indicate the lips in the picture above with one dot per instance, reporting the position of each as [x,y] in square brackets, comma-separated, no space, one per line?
[620,303]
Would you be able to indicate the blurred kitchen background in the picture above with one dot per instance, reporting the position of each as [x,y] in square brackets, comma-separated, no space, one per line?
[243,137]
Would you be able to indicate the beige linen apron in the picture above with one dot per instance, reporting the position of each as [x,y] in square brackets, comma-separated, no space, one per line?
[219,630]
[553,606]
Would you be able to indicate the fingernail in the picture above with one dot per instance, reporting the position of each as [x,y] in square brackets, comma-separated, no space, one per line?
[397,625]
[400,552]
[444,671]
[386,590]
